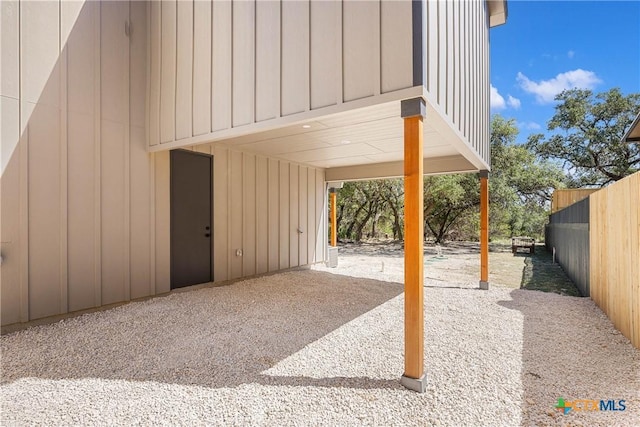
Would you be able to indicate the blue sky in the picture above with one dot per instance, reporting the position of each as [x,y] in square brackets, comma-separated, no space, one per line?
[547,46]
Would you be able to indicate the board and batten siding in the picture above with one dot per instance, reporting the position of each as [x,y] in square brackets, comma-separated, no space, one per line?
[220,68]
[456,40]
[271,210]
[84,206]
[76,178]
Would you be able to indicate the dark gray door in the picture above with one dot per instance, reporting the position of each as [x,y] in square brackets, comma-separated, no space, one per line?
[191,195]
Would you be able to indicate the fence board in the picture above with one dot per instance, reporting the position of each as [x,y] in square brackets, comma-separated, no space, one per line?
[614,253]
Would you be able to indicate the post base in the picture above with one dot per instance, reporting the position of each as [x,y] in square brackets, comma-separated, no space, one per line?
[415,384]
[484,285]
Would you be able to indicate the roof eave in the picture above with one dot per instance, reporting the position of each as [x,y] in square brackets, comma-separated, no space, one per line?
[633,134]
[498,12]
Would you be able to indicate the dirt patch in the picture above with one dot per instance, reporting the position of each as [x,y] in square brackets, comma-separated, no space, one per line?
[458,263]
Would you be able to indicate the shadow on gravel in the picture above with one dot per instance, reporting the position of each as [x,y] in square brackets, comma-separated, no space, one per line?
[211,337]
[541,274]
[571,350]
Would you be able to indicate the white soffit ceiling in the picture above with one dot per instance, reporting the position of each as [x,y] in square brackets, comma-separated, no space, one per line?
[365,136]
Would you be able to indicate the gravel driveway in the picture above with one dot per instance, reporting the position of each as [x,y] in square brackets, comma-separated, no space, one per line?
[322,348]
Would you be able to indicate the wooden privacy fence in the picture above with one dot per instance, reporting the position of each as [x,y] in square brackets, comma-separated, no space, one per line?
[567,196]
[614,240]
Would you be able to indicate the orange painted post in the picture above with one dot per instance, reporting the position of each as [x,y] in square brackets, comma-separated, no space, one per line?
[484,230]
[334,217]
[413,111]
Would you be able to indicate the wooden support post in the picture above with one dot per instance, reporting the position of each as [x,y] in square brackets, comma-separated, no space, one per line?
[484,229]
[413,112]
[334,217]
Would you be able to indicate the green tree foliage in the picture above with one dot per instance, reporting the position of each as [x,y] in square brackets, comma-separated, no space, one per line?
[371,209]
[588,139]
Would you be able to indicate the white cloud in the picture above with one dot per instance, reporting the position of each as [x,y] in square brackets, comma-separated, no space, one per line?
[571,54]
[529,125]
[513,102]
[546,90]
[497,101]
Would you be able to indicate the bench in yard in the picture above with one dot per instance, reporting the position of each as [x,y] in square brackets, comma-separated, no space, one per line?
[523,242]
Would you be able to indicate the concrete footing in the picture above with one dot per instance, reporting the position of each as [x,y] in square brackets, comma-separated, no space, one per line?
[484,285]
[415,384]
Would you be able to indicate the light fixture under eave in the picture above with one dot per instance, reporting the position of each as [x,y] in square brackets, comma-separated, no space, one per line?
[306,126]
[345,141]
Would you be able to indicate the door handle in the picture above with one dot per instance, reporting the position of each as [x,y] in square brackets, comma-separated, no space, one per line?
[207,235]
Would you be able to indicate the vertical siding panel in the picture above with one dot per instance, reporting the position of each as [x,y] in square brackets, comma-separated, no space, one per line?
[442,53]
[312,232]
[456,64]
[295,57]
[320,215]
[262,215]
[474,73]
[163,221]
[220,218]
[284,215]
[168,71]
[449,46]
[465,69]
[236,215]
[11,307]
[10,243]
[184,73]
[294,179]
[140,221]
[39,53]
[114,87]
[243,79]
[432,50]
[249,215]
[41,84]
[81,174]
[274,214]
[97,162]
[221,65]
[138,64]
[202,67]
[139,160]
[44,212]
[125,13]
[10,51]
[359,48]
[462,33]
[325,50]
[396,36]
[303,214]
[267,91]
[469,82]
[155,46]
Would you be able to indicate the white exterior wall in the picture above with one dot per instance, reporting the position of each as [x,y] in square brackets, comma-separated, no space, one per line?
[84,207]
[268,63]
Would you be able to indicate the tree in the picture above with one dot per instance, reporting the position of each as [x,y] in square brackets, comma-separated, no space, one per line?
[589,136]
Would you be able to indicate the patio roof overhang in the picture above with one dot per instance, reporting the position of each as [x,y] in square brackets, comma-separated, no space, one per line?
[633,134]
[498,12]
[361,143]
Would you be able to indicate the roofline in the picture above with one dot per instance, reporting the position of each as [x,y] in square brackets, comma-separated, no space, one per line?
[498,12]
[634,128]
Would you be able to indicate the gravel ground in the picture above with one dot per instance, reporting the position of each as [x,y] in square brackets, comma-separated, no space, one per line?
[323,347]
